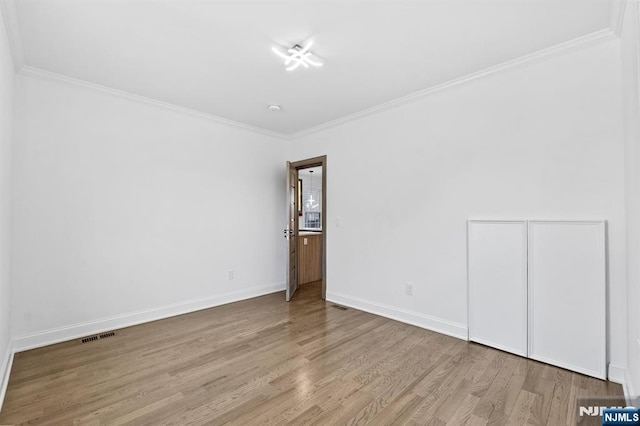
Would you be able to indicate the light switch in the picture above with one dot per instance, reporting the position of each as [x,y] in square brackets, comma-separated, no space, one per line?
[305,241]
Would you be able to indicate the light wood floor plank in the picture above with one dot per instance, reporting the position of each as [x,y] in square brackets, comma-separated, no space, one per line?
[265,361]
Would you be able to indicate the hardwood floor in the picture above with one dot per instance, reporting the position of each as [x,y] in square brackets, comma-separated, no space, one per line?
[265,361]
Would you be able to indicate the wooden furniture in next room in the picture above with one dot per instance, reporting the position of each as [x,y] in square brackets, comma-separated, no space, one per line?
[309,257]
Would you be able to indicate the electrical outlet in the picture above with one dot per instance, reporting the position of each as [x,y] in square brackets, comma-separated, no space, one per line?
[230,274]
[408,289]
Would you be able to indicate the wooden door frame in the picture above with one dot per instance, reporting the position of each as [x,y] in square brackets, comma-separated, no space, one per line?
[305,164]
[291,232]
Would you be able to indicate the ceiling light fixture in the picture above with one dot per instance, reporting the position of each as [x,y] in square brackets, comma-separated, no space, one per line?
[274,108]
[297,56]
[311,203]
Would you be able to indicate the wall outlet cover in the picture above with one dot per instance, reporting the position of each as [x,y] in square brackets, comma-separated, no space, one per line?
[409,289]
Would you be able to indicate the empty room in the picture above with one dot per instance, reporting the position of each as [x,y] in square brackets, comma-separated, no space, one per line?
[320,212]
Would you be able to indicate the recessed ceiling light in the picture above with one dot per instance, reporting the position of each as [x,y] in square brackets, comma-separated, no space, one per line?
[274,108]
[297,56]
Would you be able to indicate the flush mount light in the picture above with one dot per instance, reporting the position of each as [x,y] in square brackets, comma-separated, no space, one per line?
[274,108]
[297,56]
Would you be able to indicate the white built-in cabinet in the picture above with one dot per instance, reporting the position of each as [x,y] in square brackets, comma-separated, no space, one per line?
[538,289]
[498,284]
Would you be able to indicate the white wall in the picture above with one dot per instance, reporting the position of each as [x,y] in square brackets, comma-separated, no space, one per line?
[122,207]
[539,141]
[6,123]
[631,80]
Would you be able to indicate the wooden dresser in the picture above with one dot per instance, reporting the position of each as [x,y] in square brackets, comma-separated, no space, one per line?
[309,257]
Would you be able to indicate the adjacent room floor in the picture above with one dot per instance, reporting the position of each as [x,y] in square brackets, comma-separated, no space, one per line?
[265,361]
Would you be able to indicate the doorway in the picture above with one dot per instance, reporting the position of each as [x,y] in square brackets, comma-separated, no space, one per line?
[306,231]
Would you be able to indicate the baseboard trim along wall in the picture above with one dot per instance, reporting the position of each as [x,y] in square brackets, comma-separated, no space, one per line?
[7,363]
[75,331]
[617,373]
[438,325]
[629,392]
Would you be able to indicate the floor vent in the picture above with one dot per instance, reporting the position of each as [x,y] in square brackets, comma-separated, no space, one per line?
[342,308]
[98,337]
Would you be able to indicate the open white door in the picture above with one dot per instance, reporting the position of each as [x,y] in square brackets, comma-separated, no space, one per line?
[291,231]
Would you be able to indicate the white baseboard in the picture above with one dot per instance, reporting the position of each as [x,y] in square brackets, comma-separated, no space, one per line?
[438,325]
[629,391]
[5,371]
[74,331]
[617,373]
[620,374]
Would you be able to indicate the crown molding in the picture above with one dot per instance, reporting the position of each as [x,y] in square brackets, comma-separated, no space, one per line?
[39,73]
[9,12]
[559,49]
[10,17]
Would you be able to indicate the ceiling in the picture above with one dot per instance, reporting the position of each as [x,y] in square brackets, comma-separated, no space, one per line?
[215,56]
[316,172]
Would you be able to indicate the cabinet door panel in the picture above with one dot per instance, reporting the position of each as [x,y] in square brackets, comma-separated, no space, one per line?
[567,285]
[498,284]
